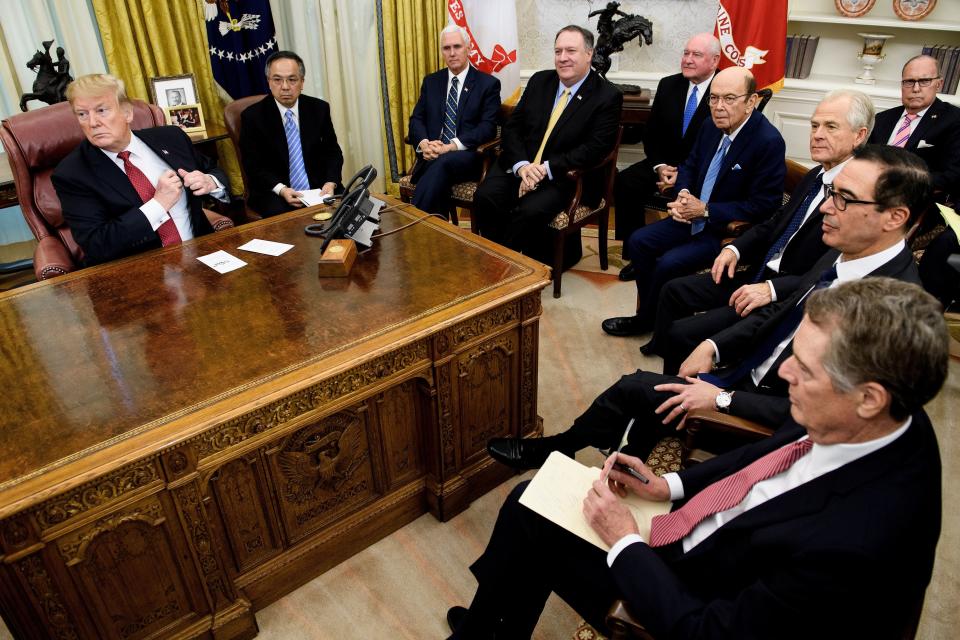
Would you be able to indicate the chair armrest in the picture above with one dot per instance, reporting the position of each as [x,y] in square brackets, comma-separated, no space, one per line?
[624,626]
[717,422]
[737,228]
[487,147]
[51,258]
[217,221]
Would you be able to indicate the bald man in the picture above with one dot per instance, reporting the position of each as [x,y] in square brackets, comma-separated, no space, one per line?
[734,172]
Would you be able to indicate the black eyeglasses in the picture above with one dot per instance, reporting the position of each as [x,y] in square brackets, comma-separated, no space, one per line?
[840,201]
[727,100]
[923,82]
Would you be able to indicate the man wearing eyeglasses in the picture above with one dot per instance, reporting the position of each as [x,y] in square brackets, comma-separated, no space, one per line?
[735,172]
[287,141]
[924,124]
[869,207]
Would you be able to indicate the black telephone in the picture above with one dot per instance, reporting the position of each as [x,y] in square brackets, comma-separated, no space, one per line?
[355,194]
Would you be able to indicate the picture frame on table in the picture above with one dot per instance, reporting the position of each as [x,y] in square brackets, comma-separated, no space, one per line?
[188,117]
[174,91]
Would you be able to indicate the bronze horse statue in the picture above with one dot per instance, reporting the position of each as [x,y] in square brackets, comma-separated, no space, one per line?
[52,77]
[613,34]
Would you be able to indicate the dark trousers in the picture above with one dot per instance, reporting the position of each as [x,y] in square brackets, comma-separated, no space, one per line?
[632,189]
[528,557]
[435,177]
[521,223]
[938,277]
[663,251]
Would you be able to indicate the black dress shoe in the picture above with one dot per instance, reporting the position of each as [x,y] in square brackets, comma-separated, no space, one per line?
[649,349]
[627,273]
[455,616]
[521,453]
[625,326]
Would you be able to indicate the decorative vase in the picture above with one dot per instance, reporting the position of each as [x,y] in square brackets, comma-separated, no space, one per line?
[870,55]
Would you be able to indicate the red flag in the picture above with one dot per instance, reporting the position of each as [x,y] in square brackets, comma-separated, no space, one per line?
[754,38]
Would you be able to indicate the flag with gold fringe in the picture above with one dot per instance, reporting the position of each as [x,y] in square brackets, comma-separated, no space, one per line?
[241,37]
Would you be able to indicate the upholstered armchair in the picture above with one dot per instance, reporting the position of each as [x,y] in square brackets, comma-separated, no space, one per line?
[231,117]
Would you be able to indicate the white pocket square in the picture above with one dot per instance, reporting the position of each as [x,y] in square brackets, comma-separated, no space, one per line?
[736,167]
[923,144]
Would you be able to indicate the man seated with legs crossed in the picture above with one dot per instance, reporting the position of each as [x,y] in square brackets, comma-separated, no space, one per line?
[872,202]
[779,251]
[827,529]
[734,172]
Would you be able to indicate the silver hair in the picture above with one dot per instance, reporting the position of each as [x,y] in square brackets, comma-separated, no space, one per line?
[861,113]
[454,28]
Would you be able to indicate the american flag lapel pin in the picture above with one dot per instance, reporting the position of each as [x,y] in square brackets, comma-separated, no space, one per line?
[165,152]
[579,97]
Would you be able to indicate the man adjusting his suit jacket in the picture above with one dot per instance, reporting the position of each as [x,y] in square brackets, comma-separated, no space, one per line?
[735,172]
[566,119]
[123,193]
[287,141]
[456,112]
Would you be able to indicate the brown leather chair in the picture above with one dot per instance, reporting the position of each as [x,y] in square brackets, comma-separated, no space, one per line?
[461,193]
[36,142]
[231,117]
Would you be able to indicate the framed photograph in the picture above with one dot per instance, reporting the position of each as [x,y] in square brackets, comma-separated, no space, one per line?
[188,117]
[174,91]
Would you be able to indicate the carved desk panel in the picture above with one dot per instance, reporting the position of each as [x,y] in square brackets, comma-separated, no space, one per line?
[183,447]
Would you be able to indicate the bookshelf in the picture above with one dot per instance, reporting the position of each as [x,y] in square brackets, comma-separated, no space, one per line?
[836,64]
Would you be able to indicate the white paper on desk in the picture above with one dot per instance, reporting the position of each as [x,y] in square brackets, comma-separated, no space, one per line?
[268,247]
[558,490]
[222,261]
[311,197]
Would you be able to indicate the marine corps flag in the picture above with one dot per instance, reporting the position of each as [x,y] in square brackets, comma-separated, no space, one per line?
[241,36]
[754,35]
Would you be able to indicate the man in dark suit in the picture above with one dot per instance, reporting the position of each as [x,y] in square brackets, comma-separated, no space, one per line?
[779,250]
[735,172]
[924,124]
[287,141]
[678,110]
[456,112]
[123,193]
[566,119]
[827,529]
[874,200]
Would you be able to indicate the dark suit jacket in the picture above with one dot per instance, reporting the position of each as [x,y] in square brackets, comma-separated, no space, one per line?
[663,138]
[769,404]
[846,555]
[940,129]
[102,208]
[803,250]
[581,138]
[476,111]
[750,192]
[266,161]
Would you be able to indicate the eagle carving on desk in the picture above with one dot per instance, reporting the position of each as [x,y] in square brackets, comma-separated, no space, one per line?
[325,462]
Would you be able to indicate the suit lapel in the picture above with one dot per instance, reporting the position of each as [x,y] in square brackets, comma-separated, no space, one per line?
[109,173]
[702,111]
[573,104]
[738,145]
[465,92]
[927,122]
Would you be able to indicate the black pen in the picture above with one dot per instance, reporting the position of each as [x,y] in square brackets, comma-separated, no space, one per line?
[625,469]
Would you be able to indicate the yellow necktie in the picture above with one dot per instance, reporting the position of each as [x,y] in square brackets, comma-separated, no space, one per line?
[554,116]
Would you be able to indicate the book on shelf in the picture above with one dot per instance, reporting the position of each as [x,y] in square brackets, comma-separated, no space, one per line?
[801,49]
[948,60]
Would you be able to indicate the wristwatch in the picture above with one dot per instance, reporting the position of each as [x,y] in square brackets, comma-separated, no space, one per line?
[722,403]
[706,213]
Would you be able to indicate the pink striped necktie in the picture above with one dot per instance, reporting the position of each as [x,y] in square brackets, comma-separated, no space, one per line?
[724,494]
[903,133]
[168,230]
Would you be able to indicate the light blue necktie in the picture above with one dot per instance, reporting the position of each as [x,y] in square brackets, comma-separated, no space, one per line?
[298,172]
[712,172]
[689,110]
[450,113]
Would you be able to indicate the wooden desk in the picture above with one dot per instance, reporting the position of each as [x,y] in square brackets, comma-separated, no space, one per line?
[183,447]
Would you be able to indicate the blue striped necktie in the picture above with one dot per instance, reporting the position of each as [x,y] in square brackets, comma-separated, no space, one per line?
[689,110]
[708,183]
[298,172]
[792,227]
[450,113]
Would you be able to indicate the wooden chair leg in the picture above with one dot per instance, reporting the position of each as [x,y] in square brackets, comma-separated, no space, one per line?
[453,215]
[604,223]
[557,261]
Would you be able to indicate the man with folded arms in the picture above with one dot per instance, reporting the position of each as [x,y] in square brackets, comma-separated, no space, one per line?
[122,192]
[778,251]
[827,529]
[734,172]
[871,204]
[925,125]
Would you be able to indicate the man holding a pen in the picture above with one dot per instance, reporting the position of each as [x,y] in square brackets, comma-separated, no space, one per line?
[827,529]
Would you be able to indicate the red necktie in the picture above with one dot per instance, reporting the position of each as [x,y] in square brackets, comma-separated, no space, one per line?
[168,230]
[724,494]
[903,133]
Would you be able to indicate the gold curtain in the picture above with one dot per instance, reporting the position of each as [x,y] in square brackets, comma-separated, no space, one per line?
[411,49]
[148,38]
